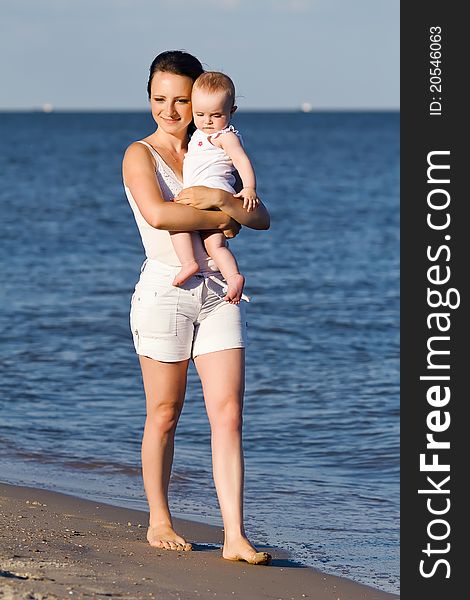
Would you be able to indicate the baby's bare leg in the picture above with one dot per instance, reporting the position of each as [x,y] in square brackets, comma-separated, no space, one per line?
[214,243]
[183,245]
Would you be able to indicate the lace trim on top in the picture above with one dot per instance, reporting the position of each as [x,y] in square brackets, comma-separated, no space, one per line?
[229,129]
[166,176]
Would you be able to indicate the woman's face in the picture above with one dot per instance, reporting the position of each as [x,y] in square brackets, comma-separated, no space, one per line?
[170,100]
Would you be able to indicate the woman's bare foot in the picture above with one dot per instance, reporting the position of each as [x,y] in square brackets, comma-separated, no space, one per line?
[187,270]
[241,549]
[165,537]
[235,284]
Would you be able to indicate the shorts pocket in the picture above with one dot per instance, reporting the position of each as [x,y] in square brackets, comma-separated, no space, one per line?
[154,310]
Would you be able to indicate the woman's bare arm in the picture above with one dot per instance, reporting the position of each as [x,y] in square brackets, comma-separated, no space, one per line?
[205,198]
[138,171]
[256,219]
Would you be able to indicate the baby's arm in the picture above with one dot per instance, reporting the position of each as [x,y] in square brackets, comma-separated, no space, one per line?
[231,145]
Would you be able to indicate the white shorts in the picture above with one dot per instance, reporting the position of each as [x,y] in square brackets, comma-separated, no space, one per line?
[170,323]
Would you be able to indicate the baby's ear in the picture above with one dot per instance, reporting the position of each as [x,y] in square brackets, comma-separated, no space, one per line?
[233,109]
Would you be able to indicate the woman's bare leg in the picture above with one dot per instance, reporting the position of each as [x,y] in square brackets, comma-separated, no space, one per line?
[183,246]
[222,376]
[214,244]
[165,387]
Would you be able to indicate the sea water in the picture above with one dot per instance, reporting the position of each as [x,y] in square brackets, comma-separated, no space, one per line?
[321,405]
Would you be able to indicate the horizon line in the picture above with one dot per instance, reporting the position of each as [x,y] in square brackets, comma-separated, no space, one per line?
[52,110]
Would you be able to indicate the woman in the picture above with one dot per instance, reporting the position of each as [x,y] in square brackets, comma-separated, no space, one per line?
[171,324]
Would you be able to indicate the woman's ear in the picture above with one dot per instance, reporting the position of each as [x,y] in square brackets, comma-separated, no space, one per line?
[233,109]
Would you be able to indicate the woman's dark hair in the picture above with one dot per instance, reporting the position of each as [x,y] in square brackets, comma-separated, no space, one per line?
[178,62]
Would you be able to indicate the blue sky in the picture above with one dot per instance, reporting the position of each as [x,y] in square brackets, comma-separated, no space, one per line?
[86,54]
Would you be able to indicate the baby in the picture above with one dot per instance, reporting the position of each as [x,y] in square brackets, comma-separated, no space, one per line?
[214,152]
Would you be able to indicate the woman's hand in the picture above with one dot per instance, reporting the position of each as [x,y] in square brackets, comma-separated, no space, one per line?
[258,218]
[200,197]
[233,229]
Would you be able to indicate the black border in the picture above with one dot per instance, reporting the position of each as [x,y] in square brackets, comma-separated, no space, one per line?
[422,133]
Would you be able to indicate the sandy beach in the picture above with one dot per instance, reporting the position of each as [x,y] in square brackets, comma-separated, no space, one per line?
[55,546]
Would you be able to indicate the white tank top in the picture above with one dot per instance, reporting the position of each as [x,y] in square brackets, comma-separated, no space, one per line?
[157,242]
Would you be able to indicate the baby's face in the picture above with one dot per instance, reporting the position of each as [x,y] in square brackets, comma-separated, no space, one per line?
[211,110]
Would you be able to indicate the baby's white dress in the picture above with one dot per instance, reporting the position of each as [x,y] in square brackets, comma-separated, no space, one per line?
[206,164]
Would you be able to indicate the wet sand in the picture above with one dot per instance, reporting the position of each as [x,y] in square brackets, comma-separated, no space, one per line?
[54,546]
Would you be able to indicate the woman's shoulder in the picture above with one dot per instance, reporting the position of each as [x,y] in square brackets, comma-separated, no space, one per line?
[138,151]
[138,160]
[138,147]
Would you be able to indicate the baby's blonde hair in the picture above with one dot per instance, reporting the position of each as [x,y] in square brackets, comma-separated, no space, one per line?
[214,81]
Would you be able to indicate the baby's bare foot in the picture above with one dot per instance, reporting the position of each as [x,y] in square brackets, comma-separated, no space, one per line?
[165,537]
[187,270]
[241,549]
[235,284]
